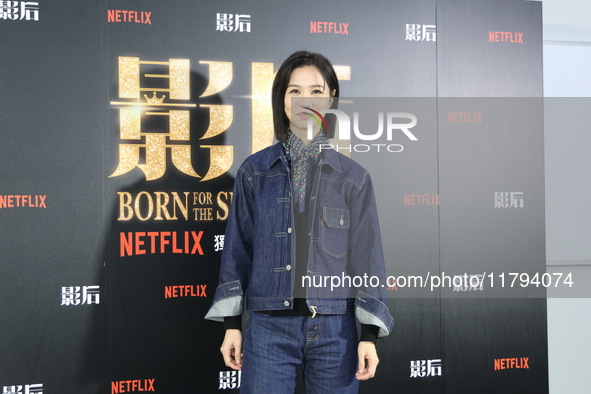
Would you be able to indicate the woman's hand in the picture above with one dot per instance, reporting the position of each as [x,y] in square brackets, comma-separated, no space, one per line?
[368,360]
[232,349]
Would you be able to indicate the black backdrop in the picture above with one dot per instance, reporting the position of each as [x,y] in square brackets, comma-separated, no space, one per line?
[103,292]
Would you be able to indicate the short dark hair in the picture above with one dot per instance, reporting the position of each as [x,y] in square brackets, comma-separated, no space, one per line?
[296,60]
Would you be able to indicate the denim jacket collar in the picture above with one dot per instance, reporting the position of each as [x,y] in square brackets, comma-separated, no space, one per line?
[277,153]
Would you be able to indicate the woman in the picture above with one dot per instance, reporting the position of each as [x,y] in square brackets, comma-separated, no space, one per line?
[301,211]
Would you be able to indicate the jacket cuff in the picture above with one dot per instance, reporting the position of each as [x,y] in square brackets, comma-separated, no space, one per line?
[370,310]
[227,302]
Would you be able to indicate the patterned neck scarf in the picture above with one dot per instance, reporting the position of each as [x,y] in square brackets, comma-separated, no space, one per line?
[301,158]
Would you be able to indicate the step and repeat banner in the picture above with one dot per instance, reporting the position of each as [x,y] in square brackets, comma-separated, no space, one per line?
[123,124]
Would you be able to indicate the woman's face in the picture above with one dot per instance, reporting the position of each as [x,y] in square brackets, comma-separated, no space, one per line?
[306,88]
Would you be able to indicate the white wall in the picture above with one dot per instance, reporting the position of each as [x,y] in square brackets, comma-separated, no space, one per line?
[567,73]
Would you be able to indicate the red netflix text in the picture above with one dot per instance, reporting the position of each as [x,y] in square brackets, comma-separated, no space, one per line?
[329,27]
[128,386]
[129,16]
[512,363]
[22,201]
[185,291]
[154,242]
[505,36]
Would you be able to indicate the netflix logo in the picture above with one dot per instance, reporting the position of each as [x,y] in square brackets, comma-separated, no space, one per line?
[142,17]
[464,117]
[421,199]
[511,363]
[505,36]
[128,386]
[23,201]
[185,291]
[329,27]
[160,242]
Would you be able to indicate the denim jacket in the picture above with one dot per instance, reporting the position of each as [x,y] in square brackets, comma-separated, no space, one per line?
[258,261]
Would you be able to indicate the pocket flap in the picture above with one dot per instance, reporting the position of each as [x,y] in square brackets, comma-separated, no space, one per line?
[336,217]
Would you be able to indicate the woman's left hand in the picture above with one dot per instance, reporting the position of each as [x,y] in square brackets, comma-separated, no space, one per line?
[368,360]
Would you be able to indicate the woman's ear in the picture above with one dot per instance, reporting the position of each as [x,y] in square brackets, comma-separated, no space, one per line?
[332,97]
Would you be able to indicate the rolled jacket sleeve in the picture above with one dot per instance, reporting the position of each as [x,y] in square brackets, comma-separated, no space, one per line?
[237,254]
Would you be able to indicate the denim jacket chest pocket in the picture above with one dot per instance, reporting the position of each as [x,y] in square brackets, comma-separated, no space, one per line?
[334,231]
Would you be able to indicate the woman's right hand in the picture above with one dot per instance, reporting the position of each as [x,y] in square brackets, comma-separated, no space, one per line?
[232,349]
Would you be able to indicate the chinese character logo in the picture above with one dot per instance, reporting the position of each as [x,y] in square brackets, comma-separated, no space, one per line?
[71,295]
[425,368]
[219,243]
[468,282]
[508,199]
[229,380]
[416,32]
[28,389]
[153,103]
[233,23]
[19,10]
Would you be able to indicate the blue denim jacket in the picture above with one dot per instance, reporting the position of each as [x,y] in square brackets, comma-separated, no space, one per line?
[258,262]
